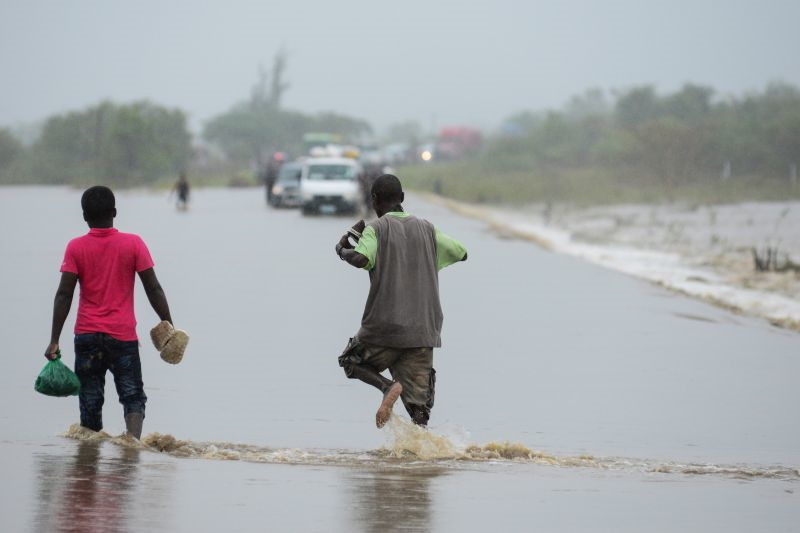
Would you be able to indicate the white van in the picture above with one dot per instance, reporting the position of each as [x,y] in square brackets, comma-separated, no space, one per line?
[330,185]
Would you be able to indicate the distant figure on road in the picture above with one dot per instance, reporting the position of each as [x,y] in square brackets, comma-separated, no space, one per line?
[104,262]
[402,319]
[271,171]
[182,189]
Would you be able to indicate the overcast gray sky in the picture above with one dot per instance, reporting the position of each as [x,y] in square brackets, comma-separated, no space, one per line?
[438,62]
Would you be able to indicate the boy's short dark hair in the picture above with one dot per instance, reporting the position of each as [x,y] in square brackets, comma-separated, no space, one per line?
[98,203]
[387,187]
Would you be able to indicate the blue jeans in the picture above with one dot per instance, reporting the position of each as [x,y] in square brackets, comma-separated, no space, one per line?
[94,354]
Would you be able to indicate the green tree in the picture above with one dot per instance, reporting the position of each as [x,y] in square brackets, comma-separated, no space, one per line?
[128,144]
[551,140]
[691,104]
[349,127]
[592,103]
[252,130]
[526,122]
[637,106]
[671,149]
[278,84]
[780,116]
[10,150]
[247,133]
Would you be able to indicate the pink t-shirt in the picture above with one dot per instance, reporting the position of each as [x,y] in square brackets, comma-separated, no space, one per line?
[106,262]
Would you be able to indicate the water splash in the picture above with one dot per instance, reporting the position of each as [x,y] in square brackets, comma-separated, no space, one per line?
[407,440]
[78,432]
[513,451]
[409,446]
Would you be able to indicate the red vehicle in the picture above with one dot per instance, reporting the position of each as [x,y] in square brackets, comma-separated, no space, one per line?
[455,142]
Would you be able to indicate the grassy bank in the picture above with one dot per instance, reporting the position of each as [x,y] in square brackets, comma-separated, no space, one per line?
[518,181]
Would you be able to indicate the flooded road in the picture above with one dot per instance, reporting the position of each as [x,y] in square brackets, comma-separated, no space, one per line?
[569,397]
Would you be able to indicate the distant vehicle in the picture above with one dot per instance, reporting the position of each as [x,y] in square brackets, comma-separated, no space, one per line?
[286,189]
[399,153]
[426,152]
[320,139]
[451,144]
[455,142]
[330,185]
[371,155]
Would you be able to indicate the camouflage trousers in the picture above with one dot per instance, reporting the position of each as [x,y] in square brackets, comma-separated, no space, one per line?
[411,367]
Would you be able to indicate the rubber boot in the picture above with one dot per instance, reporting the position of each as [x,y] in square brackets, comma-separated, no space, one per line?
[133,424]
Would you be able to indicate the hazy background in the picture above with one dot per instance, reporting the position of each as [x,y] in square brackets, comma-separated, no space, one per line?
[604,364]
[434,62]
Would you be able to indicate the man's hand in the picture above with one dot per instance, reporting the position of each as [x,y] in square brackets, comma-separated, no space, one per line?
[343,244]
[51,353]
[345,241]
[346,250]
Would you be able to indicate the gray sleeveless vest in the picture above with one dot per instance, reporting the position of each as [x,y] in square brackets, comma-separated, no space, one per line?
[403,308]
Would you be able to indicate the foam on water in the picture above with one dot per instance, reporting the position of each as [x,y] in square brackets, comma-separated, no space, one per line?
[409,446]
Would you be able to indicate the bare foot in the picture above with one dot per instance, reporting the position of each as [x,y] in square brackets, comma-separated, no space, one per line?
[385,410]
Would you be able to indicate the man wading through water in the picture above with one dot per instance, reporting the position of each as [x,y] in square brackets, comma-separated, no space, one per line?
[105,262]
[402,319]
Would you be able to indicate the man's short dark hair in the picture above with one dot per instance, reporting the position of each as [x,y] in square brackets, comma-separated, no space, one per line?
[387,188]
[98,203]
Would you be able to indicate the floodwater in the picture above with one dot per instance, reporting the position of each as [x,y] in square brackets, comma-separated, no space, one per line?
[569,397]
[702,251]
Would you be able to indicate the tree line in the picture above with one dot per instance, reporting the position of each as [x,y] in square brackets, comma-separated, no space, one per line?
[675,139]
[116,144]
[142,143]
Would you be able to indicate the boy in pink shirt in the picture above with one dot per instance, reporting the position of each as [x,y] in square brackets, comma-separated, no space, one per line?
[105,263]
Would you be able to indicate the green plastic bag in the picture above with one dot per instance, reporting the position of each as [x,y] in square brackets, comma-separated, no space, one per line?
[56,379]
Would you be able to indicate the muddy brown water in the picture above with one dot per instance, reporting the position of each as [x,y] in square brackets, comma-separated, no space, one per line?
[570,398]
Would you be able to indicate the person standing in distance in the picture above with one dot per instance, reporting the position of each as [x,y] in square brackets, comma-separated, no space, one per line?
[182,188]
[105,262]
[402,319]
